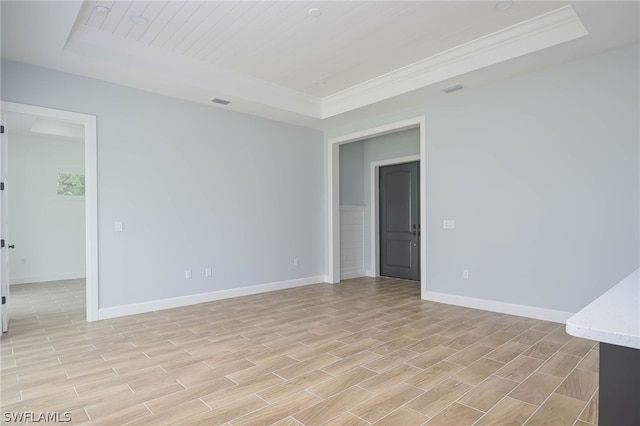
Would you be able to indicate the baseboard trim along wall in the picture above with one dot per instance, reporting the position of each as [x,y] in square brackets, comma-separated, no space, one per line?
[501,307]
[46,278]
[193,299]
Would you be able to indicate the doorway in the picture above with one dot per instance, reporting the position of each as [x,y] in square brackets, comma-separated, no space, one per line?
[45,203]
[399,210]
[65,177]
[333,188]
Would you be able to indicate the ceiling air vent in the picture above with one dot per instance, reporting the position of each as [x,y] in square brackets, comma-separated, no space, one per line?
[452,88]
[220,101]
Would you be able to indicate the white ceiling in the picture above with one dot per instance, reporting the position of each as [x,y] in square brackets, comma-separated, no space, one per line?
[272,59]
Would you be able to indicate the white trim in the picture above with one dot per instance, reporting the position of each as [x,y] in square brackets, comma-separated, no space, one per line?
[501,307]
[374,208]
[192,299]
[246,92]
[46,278]
[91,189]
[549,29]
[423,207]
[354,271]
[333,191]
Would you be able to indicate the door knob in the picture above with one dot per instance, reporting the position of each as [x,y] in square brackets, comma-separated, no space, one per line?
[11,246]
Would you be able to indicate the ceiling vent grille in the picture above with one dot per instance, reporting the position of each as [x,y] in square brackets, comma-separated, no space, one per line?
[220,101]
[452,88]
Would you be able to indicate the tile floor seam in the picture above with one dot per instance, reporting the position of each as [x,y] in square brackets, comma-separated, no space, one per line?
[520,383]
[435,414]
[473,408]
[545,400]
[86,412]
[355,415]
[596,392]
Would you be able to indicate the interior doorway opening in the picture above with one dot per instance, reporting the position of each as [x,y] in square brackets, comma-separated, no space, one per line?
[45,201]
[72,187]
[333,184]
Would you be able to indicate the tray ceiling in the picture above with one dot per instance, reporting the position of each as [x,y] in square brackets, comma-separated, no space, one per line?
[279,59]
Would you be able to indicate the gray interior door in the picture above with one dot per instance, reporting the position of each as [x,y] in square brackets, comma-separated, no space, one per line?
[400,221]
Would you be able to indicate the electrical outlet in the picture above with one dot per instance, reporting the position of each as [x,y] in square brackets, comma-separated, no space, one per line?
[465,273]
[207,272]
[295,262]
[187,274]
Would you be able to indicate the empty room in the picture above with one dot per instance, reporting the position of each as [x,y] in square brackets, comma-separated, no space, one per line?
[320,212]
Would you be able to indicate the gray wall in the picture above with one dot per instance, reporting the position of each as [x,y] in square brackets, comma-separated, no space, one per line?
[541,174]
[195,186]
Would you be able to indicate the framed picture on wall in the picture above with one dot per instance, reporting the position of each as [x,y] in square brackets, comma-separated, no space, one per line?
[70,184]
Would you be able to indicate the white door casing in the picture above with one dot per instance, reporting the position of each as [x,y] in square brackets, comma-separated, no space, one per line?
[374,178]
[4,231]
[333,192]
[91,190]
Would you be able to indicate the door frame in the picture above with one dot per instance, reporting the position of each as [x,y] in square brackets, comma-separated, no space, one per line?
[4,254]
[375,207]
[91,190]
[333,192]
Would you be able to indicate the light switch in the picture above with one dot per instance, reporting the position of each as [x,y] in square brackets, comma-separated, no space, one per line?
[118,226]
[449,224]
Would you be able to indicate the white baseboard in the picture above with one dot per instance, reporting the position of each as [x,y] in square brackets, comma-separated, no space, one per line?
[44,278]
[501,307]
[348,273]
[192,299]
[370,273]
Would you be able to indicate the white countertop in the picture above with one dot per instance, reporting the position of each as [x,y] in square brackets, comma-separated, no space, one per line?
[613,317]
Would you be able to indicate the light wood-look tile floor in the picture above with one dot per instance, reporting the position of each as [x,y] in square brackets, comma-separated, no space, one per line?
[366,351]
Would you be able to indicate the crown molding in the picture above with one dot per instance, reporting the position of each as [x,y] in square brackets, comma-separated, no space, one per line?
[550,29]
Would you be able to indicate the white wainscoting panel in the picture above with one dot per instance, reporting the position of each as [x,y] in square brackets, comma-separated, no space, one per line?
[351,242]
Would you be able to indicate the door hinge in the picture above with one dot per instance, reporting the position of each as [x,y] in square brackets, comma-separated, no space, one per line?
[1,186]
[2,128]
[1,243]
[4,300]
